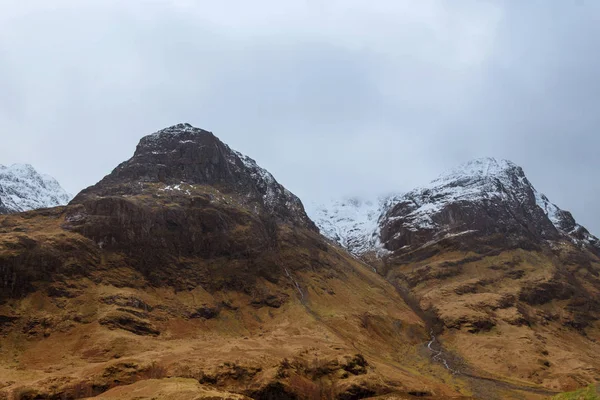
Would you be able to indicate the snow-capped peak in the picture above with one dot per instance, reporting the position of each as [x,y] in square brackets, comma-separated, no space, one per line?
[351,221]
[175,130]
[484,195]
[480,169]
[22,188]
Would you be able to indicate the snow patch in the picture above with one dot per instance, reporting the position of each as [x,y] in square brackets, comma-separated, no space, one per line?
[22,188]
[352,222]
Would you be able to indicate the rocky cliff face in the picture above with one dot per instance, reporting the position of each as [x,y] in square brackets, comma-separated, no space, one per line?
[486,198]
[184,193]
[22,188]
[483,198]
[182,156]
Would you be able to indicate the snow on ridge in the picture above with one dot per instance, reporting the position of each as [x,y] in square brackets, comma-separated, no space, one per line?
[22,188]
[171,132]
[352,222]
[356,223]
[274,195]
[479,167]
[577,233]
[263,178]
[551,210]
[476,180]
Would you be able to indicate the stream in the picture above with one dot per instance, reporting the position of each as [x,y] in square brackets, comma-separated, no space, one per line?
[437,354]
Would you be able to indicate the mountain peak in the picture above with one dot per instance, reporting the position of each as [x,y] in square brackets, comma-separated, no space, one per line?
[185,156]
[485,168]
[22,188]
[18,167]
[486,195]
[176,130]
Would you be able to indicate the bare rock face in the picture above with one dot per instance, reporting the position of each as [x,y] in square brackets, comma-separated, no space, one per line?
[482,198]
[185,193]
[185,210]
[485,200]
[181,156]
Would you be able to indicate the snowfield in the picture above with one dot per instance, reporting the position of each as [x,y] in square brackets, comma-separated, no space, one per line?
[22,188]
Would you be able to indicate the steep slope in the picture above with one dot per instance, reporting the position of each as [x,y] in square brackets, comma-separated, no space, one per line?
[486,196]
[512,279]
[189,271]
[22,188]
[351,222]
[489,195]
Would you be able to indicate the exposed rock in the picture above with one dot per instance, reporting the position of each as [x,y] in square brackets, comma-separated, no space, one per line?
[356,365]
[482,199]
[270,300]
[129,323]
[274,391]
[176,158]
[206,312]
[355,392]
[126,301]
[544,292]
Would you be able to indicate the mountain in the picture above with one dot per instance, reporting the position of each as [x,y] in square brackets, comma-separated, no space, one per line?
[351,222]
[483,196]
[189,272]
[22,188]
[181,156]
[512,282]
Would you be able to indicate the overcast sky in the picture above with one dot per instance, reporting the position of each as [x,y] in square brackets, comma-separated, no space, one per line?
[334,97]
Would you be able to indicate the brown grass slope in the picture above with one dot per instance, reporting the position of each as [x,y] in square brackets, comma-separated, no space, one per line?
[258,309]
[524,314]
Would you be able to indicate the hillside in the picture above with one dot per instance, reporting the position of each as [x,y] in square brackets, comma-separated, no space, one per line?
[513,280]
[190,271]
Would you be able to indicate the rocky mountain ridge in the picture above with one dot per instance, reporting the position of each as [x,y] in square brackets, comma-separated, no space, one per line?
[182,155]
[506,274]
[191,269]
[22,188]
[483,196]
[190,264]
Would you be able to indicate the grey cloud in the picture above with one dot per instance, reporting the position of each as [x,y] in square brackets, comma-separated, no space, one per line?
[333,97]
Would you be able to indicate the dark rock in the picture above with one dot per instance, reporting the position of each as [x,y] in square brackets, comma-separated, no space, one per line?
[356,365]
[544,292]
[274,391]
[127,301]
[270,300]
[129,323]
[184,155]
[206,312]
[484,202]
[356,392]
[61,290]
[417,393]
